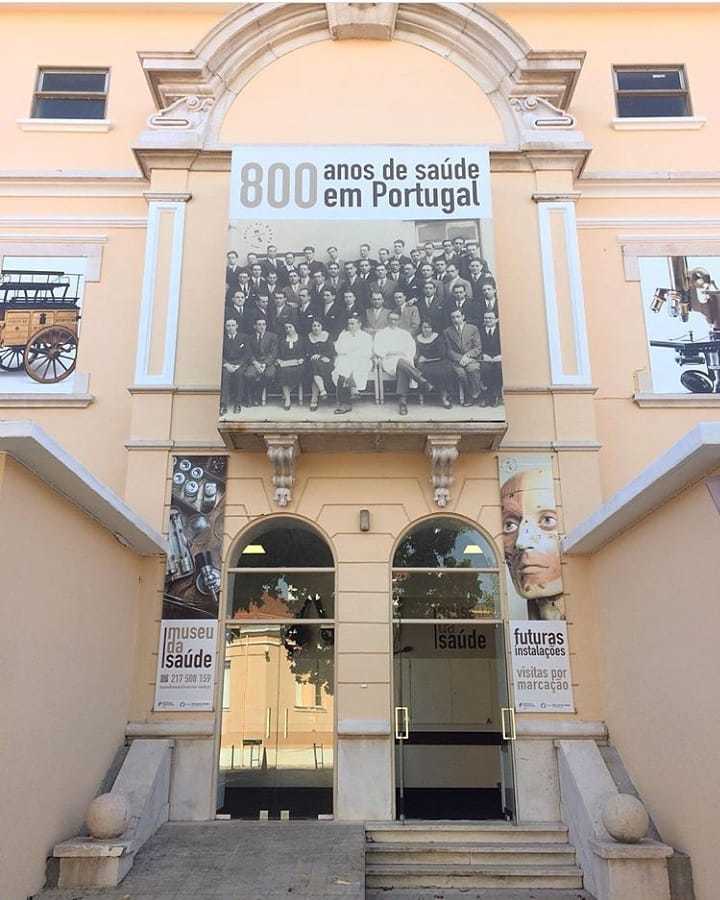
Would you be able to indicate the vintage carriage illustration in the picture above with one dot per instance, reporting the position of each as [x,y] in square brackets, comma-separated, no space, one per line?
[39,316]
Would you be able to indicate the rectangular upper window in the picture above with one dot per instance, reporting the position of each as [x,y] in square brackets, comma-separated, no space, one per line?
[70,94]
[651,91]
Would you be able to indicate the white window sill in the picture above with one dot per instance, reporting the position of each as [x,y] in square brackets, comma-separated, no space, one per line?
[659,123]
[39,400]
[96,125]
[707,401]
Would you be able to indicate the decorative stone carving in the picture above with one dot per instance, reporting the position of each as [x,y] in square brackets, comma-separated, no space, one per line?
[282,451]
[538,113]
[108,816]
[374,21]
[625,819]
[185,114]
[443,452]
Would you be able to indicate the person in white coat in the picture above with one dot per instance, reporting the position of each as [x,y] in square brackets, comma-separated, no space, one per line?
[395,348]
[353,363]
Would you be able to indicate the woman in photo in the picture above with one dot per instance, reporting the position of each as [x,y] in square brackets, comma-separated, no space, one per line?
[319,352]
[431,359]
[290,361]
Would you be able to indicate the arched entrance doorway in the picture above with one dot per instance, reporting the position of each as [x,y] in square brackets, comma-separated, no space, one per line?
[277,740]
[454,725]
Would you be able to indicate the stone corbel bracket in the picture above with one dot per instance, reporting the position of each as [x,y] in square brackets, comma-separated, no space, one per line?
[443,452]
[372,21]
[283,451]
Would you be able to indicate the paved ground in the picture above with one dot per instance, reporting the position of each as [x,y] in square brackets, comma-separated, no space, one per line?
[242,861]
[469,894]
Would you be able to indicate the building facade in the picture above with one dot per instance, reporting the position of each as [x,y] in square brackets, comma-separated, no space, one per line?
[396,537]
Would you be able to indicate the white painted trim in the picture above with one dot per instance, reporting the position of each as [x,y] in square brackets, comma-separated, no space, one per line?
[73,222]
[647,222]
[658,123]
[86,125]
[552,318]
[30,445]
[629,184]
[685,463]
[560,729]
[142,374]
[45,401]
[655,401]
[62,183]
[88,246]
[188,729]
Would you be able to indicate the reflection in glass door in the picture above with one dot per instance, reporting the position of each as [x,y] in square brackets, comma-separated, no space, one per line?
[277,738]
[454,726]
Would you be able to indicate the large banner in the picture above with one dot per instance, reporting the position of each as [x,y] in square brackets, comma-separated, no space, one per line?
[360,286]
[531,536]
[195,536]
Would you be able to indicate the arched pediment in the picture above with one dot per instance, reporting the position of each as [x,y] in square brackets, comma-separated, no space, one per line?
[529,89]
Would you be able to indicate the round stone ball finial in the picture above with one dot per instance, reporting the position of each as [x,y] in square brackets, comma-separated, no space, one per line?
[626,819]
[108,816]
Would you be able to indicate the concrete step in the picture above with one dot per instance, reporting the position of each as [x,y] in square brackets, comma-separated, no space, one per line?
[478,894]
[439,875]
[466,832]
[468,853]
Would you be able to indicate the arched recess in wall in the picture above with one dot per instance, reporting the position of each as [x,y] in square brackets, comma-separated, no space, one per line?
[359,92]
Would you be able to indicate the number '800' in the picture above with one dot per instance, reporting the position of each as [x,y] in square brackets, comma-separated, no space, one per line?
[277,184]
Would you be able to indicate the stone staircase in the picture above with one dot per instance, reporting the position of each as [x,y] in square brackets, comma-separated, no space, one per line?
[404,858]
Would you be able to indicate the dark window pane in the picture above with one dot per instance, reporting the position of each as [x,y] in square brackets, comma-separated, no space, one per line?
[632,105]
[649,80]
[292,595]
[444,545]
[82,82]
[284,543]
[68,109]
[445,595]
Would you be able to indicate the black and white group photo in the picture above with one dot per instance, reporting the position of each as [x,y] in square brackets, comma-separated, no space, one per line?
[335,328]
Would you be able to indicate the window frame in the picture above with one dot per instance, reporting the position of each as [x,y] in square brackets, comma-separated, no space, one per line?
[684,91]
[40,94]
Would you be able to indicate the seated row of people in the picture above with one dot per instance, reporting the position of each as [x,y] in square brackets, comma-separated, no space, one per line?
[435,359]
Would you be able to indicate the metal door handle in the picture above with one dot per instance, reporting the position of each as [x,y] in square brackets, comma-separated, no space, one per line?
[509,734]
[402,734]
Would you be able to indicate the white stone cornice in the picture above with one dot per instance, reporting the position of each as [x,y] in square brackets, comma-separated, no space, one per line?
[193,90]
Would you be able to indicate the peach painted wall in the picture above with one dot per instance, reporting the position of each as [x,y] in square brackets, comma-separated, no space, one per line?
[70,602]
[658,641]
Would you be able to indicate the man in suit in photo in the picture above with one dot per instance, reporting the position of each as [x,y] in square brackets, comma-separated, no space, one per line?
[383,284]
[272,263]
[399,252]
[416,257]
[293,288]
[273,283]
[330,313]
[491,366]
[314,265]
[430,308]
[232,274]
[236,356]
[334,257]
[448,253]
[261,369]
[376,315]
[258,285]
[472,312]
[477,277]
[488,298]
[317,286]
[410,282]
[289,264]
[364,282]
[281,312]
[365,255]
[464,345]
[334,279]
[306,312]
[239,309]
[406,307]
[454,279]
